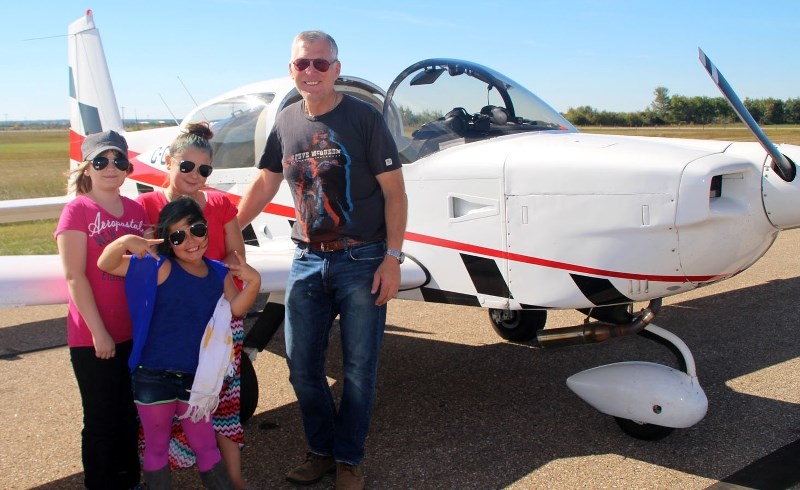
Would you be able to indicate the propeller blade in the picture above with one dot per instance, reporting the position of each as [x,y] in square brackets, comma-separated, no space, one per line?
[784,167]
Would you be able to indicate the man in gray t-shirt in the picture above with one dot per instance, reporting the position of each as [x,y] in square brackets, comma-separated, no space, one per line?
[331,162]
[345,176]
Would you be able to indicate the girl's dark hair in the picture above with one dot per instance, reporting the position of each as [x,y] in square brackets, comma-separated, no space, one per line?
[184,207]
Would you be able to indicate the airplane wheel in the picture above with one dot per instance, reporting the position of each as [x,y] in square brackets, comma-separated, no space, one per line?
[248,389]
[645,432]
[517,325]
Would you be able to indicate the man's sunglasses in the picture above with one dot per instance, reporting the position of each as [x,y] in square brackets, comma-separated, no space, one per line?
[301,64]
[197,229]
[187,166]
[99,163]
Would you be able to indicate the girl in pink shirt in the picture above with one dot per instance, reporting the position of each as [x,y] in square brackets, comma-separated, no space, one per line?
[99,328]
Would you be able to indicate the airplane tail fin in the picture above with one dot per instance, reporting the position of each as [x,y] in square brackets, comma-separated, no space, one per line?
[93,105]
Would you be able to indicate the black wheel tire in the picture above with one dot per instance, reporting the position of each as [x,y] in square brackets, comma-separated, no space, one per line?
[521,327]
[645,432]
[248,389]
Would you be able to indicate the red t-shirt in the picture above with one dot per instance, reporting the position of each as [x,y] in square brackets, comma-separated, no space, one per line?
[101,228]
[218,211]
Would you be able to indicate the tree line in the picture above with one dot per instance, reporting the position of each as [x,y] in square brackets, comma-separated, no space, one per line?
[676,109]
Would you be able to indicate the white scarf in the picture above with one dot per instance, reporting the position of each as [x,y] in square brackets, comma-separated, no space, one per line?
[214,362]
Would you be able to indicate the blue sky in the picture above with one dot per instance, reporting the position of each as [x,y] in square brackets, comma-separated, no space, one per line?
[608,54]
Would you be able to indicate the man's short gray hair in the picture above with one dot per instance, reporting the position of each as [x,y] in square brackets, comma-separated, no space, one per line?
[314,36]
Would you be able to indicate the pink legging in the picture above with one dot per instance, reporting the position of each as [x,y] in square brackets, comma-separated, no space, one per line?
[157,425]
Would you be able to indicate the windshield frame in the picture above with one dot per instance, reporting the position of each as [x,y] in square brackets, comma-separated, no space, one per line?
[514,96]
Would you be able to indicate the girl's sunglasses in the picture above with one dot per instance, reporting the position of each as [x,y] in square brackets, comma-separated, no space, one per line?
[197,229]
[99,163]
[187,166]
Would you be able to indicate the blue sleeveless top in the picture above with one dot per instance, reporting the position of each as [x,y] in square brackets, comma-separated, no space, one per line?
[169,319]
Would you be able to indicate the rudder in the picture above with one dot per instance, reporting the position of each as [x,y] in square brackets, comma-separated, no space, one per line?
[93,104]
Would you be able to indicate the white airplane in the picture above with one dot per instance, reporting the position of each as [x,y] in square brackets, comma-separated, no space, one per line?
[511,209]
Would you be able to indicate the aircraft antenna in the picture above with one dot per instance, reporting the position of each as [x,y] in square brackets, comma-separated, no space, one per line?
[46,37]
[190,96]
[177,123]
[187,90]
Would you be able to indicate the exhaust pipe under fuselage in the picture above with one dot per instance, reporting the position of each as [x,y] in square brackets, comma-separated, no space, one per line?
[597,332]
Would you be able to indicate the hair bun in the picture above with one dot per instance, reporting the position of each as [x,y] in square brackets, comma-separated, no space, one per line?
[200,129]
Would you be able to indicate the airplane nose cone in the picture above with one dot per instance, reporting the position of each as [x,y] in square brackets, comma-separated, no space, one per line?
[781,198]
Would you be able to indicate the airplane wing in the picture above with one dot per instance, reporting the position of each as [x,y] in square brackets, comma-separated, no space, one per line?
[16,210]
[39,279]
[32,280]
[29,280]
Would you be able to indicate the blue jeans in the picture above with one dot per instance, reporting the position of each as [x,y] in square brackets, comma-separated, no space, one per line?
[321,286]
[153,386]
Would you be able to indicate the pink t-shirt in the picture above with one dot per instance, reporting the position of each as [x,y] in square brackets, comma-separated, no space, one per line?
[101,228]
[218,211]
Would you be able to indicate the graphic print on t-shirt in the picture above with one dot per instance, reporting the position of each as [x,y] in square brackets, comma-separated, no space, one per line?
[105,231]
[323,184]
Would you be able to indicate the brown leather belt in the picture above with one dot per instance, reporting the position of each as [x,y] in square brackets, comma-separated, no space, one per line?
[332,245]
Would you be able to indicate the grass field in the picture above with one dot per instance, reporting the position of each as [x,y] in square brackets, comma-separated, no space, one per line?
[732,132]
[35,164]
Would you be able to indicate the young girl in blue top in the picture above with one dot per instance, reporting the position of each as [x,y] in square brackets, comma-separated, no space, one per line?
[177,297]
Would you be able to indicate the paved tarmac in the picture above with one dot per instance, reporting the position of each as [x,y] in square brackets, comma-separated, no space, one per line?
[458,408]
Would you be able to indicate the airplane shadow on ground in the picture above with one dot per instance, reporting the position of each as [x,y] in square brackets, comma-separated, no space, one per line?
[32,337]
[456,416]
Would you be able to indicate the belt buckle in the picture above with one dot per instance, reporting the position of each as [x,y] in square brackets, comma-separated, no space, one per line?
[327,246]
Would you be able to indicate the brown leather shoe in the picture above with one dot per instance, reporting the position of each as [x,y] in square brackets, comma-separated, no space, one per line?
[312,470]
[349,477]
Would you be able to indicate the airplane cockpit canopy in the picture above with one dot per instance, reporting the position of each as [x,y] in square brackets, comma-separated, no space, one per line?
[237,123]
[446,102]
[241,121]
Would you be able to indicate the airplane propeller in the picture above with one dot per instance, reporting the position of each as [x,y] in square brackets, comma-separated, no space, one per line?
[783,166]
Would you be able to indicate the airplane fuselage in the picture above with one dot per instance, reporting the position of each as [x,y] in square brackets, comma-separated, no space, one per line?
[565,220]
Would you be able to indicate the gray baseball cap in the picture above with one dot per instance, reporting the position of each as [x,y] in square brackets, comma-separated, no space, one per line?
[97,143]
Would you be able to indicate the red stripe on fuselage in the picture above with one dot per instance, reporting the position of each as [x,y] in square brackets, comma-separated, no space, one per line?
[147,174]
[527,259]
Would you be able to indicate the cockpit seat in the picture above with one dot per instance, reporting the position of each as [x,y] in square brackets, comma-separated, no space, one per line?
[497,115]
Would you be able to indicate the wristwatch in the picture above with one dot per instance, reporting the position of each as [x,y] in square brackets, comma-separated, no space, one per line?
[400,256]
